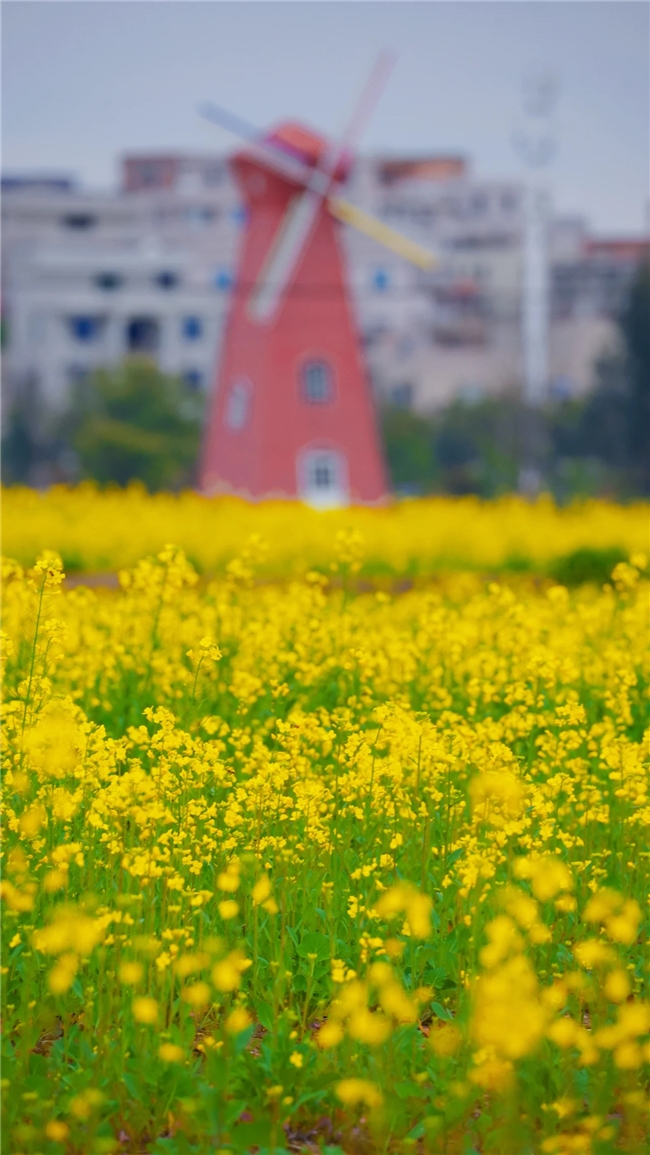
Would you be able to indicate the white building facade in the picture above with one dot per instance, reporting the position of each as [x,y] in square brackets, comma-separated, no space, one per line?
[90,278]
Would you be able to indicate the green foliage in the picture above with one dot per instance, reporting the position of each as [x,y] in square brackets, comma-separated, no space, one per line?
[636,329]
[465,448]
[408,450]
[19,449]
[478,446]
[599,444]
[27,445]
[334,804]
[586,565]
[134,422]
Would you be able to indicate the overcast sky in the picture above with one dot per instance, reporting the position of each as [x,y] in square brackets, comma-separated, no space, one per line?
[88,80]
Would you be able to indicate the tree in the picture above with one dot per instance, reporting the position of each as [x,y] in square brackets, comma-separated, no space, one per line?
[464,448]
[635,324]
[611,426]
[478,445]
[134,422]
[408,449]
[29,446]
[19,447]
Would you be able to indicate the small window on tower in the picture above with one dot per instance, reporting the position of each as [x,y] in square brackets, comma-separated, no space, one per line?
[317,382]
[324,474]
[238,404]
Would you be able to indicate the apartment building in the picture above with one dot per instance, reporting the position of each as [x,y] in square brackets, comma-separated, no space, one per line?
[90,277]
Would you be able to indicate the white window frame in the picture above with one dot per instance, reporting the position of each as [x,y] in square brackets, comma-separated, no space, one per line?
[310,460]
[238,404]
[327,371]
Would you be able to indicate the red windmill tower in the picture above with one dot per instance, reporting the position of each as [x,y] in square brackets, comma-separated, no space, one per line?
[291,412]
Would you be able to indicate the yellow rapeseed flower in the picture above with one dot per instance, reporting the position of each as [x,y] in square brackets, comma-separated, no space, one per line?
[238,1020]
[196,994]
[617,986]
[228,908]
[57,1130]
[227,973]
[330,1035]
[354,1091]
[131,972]
[145,1010]
[261,889]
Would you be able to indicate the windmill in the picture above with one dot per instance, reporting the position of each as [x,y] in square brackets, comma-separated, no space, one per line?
[291,413]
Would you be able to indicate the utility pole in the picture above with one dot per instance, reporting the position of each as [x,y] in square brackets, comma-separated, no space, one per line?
[536,292]
[535,143]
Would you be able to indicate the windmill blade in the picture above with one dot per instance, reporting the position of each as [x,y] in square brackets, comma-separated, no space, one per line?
[262,150]
[286,247]
[370,94]
[389,238]
[299,220]
[229,120]
[283,255]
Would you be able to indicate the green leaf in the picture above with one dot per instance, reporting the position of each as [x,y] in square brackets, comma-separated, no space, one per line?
[406,1089]
[132,1085]
[441,1012]
[247,1135]
[314,942]
[417,1132]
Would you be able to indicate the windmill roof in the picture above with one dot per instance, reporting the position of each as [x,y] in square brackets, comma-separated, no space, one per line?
[304,144]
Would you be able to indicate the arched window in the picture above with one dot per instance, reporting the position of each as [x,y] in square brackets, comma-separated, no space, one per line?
[317,386]
[322,478]
[238,404]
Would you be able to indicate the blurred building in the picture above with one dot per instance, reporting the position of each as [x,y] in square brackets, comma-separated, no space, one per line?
[91,277]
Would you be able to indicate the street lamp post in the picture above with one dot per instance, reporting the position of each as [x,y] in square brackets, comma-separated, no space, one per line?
[535,142]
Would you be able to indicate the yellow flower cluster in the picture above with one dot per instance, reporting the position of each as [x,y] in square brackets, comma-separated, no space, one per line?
[105,530]
[288,860]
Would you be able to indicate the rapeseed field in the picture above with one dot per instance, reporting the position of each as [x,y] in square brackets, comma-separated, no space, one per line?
[308,865]
[98,530]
